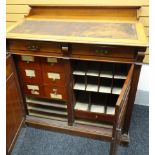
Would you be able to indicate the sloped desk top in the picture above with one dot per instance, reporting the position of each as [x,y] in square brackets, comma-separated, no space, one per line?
[80,31]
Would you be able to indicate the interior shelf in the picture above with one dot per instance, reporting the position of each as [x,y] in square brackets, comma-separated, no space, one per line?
[105,85]
[80,68]
[99,76]
[92,84]
[82,101]
[117,86]
[106,70]
[121,71]
[93,69]
[79,83]
[46,108]
[45,103]
[94,102]
[45,115]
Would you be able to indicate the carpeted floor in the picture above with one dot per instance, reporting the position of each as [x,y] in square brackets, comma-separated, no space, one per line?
[40,142]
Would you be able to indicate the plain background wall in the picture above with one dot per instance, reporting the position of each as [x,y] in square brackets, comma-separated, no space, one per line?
[144,79]
[142,95]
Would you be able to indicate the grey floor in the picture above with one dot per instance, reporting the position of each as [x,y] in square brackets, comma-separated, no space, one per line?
[40,142]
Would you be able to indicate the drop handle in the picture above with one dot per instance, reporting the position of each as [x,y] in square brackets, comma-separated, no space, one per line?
[102,51]
[55,91]
[33,91]
[33,48]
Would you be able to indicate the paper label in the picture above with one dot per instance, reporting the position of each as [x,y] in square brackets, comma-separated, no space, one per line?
[27,58]
[30,73]
[32,87]
[52,60]
[53,76]
[56,96]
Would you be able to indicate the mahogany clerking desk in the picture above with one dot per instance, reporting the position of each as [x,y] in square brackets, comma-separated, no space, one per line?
[78,68]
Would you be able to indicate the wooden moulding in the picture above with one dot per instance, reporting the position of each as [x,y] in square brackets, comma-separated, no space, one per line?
[78,129]
[84,12]
[89,131]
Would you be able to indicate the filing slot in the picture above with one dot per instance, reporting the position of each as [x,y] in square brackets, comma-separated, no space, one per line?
[97,88]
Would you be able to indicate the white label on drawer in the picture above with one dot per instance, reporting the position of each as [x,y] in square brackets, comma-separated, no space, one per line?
[27,58]
[33,87]
[52,60]
[56,96]
[53,76]
[30,73]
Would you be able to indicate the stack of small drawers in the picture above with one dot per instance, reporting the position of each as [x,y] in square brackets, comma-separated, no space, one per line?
[43,77]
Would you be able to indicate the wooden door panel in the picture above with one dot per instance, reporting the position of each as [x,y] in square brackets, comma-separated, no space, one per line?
[14,111]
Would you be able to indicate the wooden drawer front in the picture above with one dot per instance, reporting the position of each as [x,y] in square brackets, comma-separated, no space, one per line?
[89,50]
[33,89]
[54,78]
[28,61]
[93,116]
[31,75]
[53,64]
[55,92]
[35,46]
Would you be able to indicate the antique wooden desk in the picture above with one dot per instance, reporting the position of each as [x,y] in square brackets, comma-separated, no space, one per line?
[78,69]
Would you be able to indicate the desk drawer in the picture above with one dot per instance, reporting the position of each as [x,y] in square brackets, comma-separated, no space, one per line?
[93,116]
[53,64]
[55,92]
[34,46]
[34,89]
[28,61]
[104,51]
[30,75]
[53,77]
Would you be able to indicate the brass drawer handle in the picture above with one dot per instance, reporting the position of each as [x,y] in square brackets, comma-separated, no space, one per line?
[33,48]
[35,92]
[55,91]
[102,51]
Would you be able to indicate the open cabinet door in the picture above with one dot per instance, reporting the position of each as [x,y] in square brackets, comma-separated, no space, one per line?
[120,112]
[14,109]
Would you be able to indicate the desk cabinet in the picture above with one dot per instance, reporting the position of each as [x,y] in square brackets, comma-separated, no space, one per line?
[79,76]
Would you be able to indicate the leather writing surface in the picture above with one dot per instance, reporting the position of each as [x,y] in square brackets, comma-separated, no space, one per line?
[78,29]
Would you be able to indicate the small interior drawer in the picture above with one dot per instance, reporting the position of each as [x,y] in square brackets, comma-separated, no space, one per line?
[31,74]
[33,89]
[53,77]
[34,46]
[53,64]
[55,92]
[105,51]
[93,116]
[28,61]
